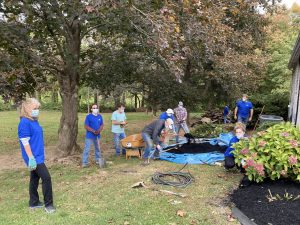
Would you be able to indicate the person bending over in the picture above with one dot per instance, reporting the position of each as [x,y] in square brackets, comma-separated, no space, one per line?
[151,136]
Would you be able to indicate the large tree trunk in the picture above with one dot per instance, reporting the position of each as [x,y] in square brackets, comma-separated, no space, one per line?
[68,130]
[69,86]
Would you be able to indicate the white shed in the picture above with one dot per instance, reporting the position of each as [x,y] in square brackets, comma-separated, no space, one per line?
[294,64]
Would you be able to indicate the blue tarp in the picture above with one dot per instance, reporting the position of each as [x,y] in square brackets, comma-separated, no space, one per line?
[200,158]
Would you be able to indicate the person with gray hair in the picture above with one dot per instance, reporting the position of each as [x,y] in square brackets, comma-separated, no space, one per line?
[30,134]
[180,120]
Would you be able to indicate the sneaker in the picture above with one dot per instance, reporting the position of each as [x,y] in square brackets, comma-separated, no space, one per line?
[85,165]
[245,182]
[145,163]
[50,209]
[39,205]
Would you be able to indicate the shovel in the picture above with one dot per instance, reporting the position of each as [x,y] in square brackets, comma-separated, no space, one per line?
[102,162]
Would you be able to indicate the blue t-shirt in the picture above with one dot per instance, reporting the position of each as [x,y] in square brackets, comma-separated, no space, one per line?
[230,148]
[226,110]
[119,117]
[33,130]
[164,116]
[93,122]
[244,108]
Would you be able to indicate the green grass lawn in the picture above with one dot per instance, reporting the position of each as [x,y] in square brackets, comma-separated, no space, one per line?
[104,196]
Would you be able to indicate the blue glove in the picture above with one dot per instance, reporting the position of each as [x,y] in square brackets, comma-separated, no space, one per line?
[32,163]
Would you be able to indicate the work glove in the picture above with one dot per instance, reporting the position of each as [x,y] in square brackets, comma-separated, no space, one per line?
[158,147]
[31,163]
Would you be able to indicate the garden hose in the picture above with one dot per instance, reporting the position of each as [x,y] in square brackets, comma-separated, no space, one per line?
[175,179]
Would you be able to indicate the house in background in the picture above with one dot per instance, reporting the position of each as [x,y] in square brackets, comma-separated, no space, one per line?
[294,64]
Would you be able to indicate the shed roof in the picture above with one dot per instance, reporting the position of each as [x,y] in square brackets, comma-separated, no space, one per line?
[295,54]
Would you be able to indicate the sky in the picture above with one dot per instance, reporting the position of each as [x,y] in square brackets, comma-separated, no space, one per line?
[289,3]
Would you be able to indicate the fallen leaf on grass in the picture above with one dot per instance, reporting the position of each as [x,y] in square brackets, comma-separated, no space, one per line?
[194,222]
[222,176]
[110,221]
[230,218]
[181,213]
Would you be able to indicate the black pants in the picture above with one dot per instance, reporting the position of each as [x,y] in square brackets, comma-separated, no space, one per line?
[229,164]
[42,172]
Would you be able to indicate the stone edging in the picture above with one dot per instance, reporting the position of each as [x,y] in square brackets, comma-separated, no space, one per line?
[242,218]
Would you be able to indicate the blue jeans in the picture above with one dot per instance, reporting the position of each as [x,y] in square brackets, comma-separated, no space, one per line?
[149,146]
[243,119]
[87,147]
[225,119]
[117,143]
[179,126]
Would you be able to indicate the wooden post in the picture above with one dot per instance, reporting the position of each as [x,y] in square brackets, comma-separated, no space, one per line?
[88,100]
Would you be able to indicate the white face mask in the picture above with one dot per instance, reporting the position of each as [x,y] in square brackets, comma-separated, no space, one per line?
[95,111]
[169,114]
[244,99]
[35,113]
[239,136]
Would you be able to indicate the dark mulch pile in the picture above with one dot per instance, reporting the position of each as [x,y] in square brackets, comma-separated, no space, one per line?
[194,148]
[252,201]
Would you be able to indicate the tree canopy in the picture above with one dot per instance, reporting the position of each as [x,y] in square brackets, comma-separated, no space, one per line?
[202,52]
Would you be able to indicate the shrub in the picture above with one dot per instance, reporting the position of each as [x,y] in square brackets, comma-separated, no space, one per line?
[273,153]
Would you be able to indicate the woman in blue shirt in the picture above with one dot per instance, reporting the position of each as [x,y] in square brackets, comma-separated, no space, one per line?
[239,133]
[32,146]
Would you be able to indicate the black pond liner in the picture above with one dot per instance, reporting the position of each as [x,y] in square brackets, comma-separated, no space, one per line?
[252,201]
[196,148]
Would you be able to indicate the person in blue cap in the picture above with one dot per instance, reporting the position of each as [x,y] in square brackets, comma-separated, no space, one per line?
[31,138]
[167,114]
[243,111]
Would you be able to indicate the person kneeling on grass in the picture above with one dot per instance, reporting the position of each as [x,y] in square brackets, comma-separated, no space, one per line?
[239,129]
[32,146]
[151,136]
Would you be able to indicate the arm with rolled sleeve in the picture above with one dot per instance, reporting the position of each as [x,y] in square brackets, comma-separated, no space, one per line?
[251,112]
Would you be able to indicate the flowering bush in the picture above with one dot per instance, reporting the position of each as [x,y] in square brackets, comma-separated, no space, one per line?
[272,153]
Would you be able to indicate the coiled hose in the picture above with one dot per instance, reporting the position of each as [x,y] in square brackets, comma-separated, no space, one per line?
[175,179]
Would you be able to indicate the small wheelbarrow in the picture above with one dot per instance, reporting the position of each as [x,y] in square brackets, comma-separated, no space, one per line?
[134,145]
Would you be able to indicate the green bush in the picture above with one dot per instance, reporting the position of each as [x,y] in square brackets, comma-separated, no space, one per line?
[273,153]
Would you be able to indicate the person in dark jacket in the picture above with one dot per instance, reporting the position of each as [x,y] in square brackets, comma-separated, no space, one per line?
[151,135]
